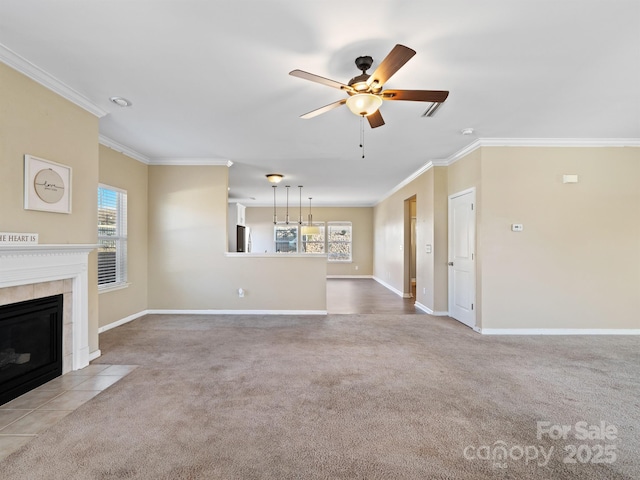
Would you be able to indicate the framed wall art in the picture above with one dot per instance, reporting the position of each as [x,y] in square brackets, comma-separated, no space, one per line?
[47,185]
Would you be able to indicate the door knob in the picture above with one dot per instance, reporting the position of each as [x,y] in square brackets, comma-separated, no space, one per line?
[450,264]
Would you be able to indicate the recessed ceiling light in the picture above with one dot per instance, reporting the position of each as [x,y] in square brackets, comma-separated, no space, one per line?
[467,131]
[121,101]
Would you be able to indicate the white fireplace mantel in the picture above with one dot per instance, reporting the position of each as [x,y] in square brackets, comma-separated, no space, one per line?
[30,264]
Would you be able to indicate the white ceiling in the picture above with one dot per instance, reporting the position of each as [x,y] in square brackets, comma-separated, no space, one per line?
[209,80]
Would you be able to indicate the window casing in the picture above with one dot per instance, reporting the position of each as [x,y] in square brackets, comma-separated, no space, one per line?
[339,242]
[112,237]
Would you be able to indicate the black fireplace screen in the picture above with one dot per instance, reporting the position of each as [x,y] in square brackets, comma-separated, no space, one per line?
[30,345]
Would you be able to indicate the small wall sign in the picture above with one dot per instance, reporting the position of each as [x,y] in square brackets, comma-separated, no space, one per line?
[12,238]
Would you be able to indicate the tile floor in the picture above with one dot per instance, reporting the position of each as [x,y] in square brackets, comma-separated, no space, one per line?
[23,418]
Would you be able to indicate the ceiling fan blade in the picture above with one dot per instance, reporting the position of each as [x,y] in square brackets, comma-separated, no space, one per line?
[436,96]
[318,79]
[375,119]
[397,57]
[321,110]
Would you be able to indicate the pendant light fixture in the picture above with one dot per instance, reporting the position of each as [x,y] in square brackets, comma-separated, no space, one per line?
[310,229]
[300,215]
[286,218]
[275,217]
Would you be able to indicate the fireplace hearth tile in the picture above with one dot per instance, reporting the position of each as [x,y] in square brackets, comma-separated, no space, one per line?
[33,399]
[70,400]
[9,416]
[99,382]
[93,369]
[35,422]
[64,401]
[65,382]
[118,370]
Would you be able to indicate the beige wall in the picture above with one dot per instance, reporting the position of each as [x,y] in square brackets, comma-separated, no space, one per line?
[576,264]
[390,221]
[118,170]
[260,221]
[36,121]
[189,268]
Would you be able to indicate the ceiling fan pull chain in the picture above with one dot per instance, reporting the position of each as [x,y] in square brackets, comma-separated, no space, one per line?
[362,134]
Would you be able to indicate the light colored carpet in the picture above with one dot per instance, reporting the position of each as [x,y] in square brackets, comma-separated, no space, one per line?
[344,397]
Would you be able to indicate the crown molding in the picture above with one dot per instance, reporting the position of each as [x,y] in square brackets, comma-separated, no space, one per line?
[427,166]
[118,147]
[513,142]
[220,162]
[47,80]
[559,142]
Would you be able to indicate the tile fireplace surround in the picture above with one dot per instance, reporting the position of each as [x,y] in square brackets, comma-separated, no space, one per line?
[35,271]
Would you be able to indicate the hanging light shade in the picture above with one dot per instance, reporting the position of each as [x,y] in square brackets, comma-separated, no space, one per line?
[364,104]
[309,229]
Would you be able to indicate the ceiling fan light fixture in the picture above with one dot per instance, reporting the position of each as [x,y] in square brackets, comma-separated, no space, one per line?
[274,177]
[364,104]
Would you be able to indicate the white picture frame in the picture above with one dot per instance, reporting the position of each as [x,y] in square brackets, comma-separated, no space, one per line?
[47,185]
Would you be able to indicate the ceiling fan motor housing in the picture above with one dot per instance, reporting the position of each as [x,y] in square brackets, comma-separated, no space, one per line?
[364,63]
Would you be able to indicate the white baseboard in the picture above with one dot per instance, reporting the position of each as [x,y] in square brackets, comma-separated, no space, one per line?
[95,354]
[207,312]
[122,321]
[237,312]
[349,276]
[429,311]
[559,331]
[386,285]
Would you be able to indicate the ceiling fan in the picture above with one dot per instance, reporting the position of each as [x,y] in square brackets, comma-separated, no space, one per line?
[365,91]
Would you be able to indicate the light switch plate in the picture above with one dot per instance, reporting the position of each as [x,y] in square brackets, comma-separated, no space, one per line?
[428,249]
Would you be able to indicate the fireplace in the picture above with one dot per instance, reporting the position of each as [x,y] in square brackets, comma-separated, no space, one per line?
[29,272]
[30,345]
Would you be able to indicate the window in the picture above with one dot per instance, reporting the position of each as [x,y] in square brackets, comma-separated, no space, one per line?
[286,238]
[339,241]
[312,238]
[112,237]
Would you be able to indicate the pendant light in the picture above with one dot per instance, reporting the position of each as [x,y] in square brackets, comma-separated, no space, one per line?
[275,217]
[286,218]
[300,215]
[310,229]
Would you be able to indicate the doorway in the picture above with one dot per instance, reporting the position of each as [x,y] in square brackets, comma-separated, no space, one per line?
[462,258]
[410,260]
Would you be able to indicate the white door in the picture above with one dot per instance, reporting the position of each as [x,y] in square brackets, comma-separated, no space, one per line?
[462,269]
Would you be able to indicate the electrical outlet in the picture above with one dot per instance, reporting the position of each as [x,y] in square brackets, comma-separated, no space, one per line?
[356,267]
[424,291]
[240,292]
